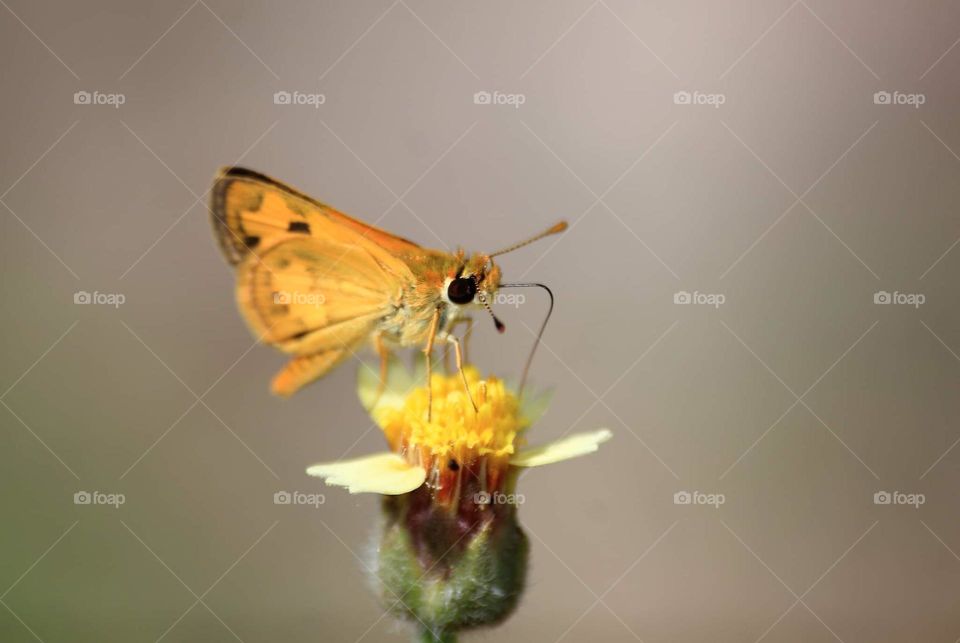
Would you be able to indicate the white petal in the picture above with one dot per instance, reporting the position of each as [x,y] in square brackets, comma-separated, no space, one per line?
[383,473]
[563,449]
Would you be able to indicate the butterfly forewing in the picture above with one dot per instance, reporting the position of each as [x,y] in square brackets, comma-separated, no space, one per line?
[250,209]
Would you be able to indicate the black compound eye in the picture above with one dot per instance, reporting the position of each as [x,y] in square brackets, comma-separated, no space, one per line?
[462,290]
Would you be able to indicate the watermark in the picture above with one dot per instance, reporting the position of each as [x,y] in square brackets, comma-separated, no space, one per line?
[99,498]
[499,98]
[899,98]
[915,299]
[97,298]
[699,498]
[696,297]
[498,498]
[899,498]
[299,498]
[285,297]
[699,98]
[99,98]
[510,299]
[299,98]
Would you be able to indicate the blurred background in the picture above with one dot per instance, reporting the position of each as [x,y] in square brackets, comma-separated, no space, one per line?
[758,295]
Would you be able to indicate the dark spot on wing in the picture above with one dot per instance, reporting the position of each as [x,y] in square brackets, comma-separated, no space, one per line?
[299,226]
[251,241]
[454,465]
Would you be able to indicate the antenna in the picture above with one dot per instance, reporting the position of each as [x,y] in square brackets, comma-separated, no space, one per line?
[554,229]
[543,326]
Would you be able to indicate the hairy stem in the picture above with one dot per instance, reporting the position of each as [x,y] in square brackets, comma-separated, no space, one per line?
[429,636]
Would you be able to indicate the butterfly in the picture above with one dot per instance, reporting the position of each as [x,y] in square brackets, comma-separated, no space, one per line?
[319,285]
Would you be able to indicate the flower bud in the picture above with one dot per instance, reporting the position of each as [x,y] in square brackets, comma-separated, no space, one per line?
[448,571]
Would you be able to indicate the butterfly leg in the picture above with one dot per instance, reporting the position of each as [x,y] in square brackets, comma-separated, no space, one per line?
[468,322]
[452,339]
[428,352]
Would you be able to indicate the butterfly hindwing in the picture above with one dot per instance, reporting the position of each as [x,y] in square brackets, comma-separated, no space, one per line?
[304,369]
[305,295]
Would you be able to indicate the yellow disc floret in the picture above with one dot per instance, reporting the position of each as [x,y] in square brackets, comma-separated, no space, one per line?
[455,429]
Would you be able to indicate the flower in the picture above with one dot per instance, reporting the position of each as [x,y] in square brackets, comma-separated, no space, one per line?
[458,449]
[451,554]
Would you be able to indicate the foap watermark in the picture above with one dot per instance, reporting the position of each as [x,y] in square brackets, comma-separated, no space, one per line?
[99,498]
[510,299]
[97,298]
[299,98]
[299,498]
[715,299]
[498,498]
[99,98]
[899,98]
[499,98]
[286,297]
[699,98]
[699,498]
[899,498]
[883,298]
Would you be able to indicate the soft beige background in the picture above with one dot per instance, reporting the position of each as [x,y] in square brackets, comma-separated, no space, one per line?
[798,399]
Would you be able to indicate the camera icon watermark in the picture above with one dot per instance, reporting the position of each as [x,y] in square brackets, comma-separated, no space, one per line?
[684,298]
[499,98]
[699,498]
[899,98]
[83,97]
[884,298]
[299,498]
[295,298]
[498,498]
[99,498]
[699,98]
[96,298]
[299,98]
[899,498]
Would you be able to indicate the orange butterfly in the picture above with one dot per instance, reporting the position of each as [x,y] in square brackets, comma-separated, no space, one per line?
[319,284]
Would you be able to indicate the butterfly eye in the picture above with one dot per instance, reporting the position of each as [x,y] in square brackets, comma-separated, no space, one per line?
[462,290]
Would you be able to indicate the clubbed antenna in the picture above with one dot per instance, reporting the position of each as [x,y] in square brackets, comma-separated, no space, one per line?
[554,229]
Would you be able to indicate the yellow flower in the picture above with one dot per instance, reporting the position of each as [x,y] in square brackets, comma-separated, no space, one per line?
[459,450]
[451,555]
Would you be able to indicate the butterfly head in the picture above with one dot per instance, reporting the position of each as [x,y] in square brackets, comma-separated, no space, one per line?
[475,280]
[474,283]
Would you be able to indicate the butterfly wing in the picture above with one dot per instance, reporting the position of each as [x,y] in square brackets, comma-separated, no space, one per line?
[249,209]
[310,281]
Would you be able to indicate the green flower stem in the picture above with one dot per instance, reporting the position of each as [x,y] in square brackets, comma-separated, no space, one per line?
[426,636]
